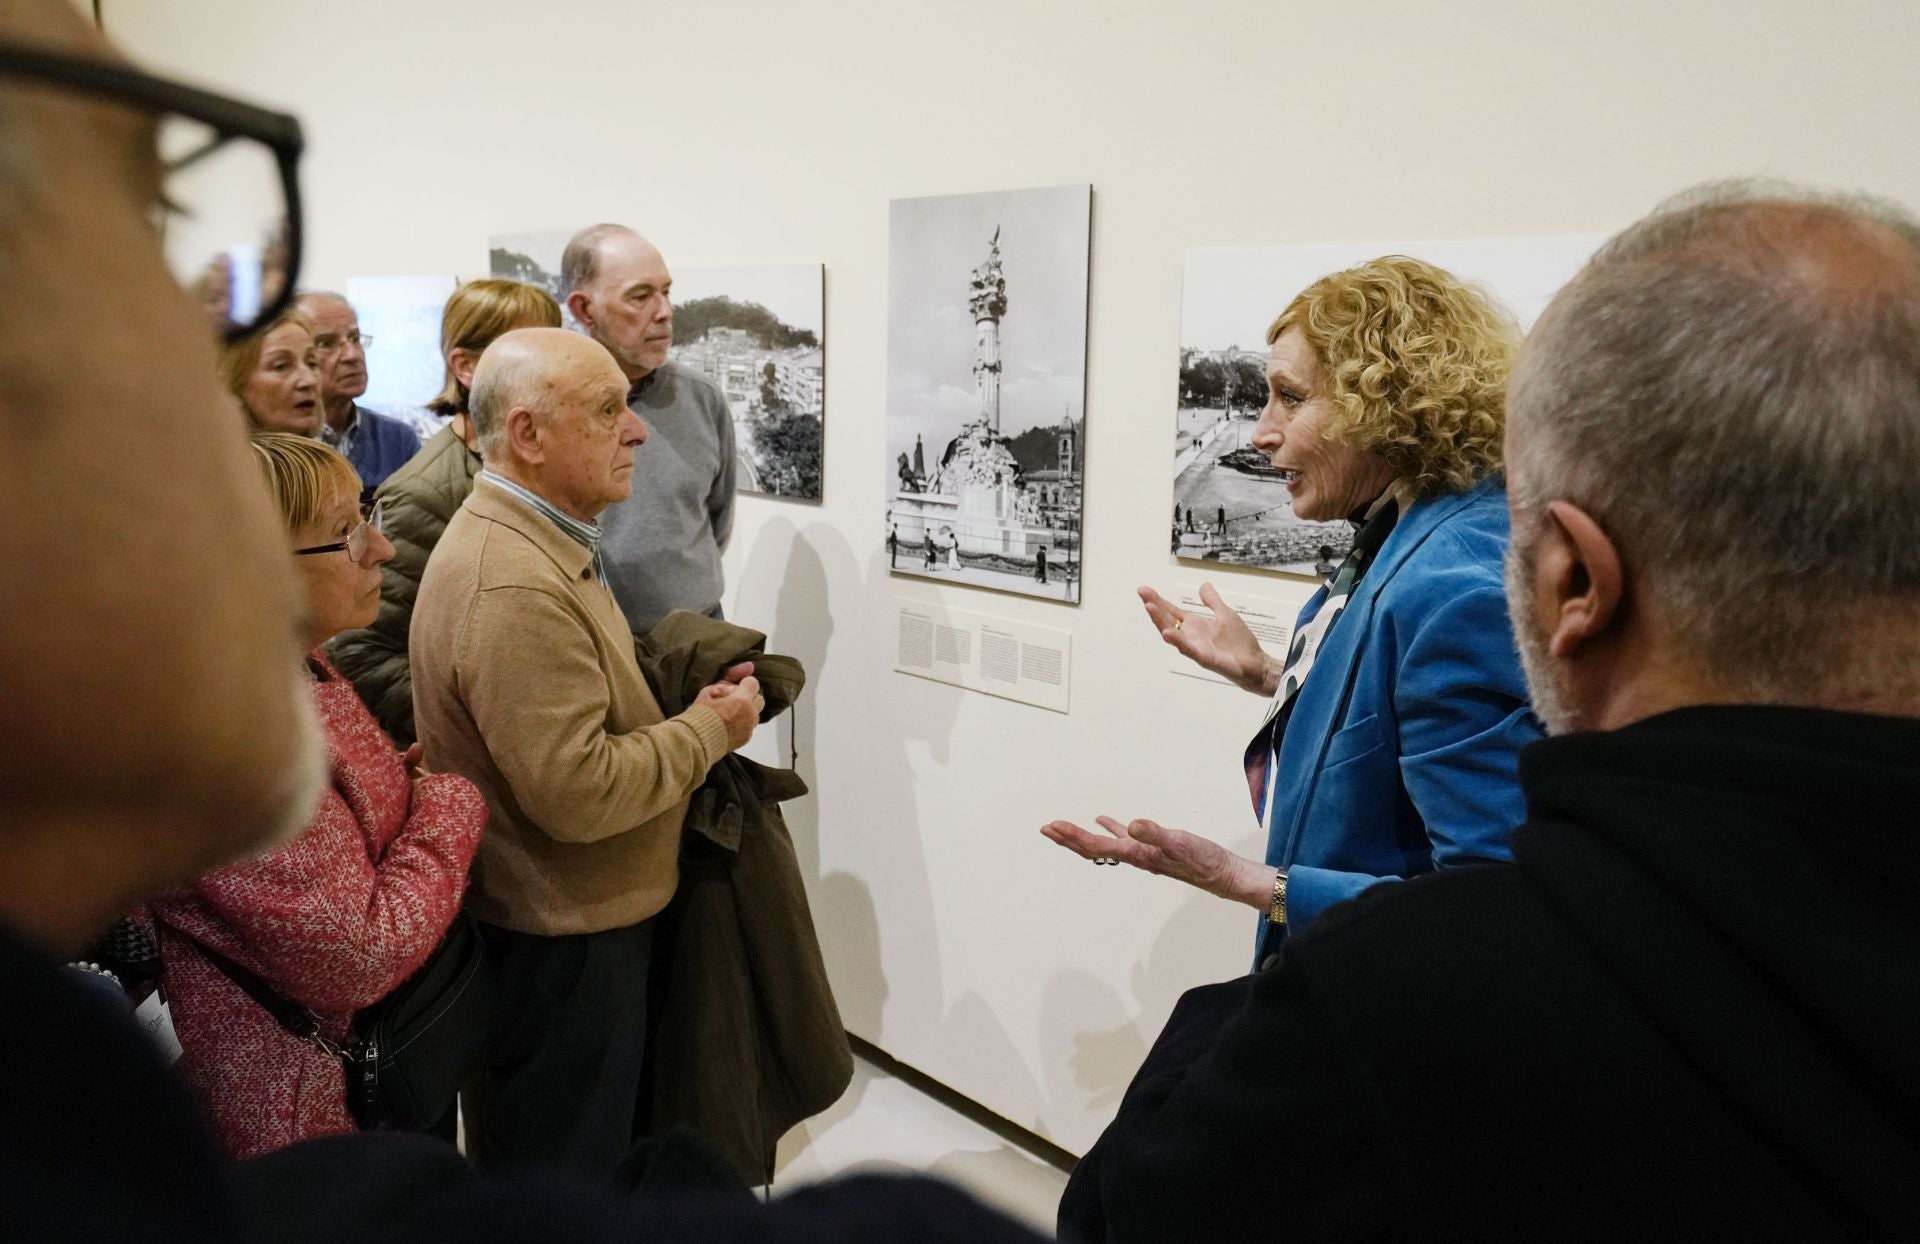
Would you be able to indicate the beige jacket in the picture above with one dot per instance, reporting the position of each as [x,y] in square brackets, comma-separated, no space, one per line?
[525,683]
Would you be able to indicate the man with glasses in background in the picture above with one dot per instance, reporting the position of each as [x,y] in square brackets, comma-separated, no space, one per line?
[377,445]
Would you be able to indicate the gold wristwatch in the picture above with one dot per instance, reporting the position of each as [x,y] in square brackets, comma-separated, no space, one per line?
[1277,914]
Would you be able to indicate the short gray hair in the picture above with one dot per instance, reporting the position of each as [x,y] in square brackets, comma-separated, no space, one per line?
[1732,389]
[580,262]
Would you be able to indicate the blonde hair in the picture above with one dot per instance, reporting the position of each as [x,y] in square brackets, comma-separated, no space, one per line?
[478,312]
[238,361]
[1416,361]
[303,475]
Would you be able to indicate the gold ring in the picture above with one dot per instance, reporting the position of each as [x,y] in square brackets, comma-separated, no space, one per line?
[1178,623]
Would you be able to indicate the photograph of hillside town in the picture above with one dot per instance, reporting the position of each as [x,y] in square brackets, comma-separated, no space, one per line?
[755,331]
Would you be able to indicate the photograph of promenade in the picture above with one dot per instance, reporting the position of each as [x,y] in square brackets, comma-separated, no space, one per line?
[1229,504]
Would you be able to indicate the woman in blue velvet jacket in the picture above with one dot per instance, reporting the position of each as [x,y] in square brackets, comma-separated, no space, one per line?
[1390,743]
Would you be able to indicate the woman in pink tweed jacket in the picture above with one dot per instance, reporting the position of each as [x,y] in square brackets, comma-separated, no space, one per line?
[350,907]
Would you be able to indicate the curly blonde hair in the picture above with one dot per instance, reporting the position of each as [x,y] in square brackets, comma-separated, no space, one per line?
[1416,361]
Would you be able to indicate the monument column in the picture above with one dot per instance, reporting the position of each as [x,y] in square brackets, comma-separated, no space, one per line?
[988,301]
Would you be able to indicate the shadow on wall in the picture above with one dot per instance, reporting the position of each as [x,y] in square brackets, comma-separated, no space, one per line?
[858,837]
[799,624]
[864,812]
[1093,1040]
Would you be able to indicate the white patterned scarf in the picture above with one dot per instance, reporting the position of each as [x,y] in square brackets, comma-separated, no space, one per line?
[1373,527]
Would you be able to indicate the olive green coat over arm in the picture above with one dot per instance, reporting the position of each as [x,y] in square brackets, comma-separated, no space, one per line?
[417,502]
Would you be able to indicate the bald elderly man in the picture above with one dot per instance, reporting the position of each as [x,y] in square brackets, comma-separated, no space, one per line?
[663,543]
[524,682]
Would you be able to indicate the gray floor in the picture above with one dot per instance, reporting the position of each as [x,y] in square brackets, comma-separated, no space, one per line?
[884,1124]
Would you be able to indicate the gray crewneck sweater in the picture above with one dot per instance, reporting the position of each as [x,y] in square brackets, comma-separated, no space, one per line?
[662,544]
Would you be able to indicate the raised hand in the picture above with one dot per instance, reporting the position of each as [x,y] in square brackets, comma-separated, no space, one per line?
[1221,643]
[1155,848]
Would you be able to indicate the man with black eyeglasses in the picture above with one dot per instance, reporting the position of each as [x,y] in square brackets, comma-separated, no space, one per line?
[155,718]
[376,444]
[155,714]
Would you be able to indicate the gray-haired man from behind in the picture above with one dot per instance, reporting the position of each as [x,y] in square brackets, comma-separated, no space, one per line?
[1688,1009]
[662,544]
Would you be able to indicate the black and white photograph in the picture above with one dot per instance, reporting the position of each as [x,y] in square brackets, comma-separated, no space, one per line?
[758,332]
[1230,504]
[535,259]
[986,388]
[400,315]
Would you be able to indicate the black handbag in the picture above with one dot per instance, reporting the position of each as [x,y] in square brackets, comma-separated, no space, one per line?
[413,1050]
[419,1045]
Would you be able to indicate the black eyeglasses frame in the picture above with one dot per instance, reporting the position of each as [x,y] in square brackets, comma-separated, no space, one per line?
[228,117]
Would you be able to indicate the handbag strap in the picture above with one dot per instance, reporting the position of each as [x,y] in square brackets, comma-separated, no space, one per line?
[296,1019]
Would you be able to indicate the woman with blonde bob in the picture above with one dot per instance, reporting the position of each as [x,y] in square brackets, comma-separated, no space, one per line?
[275,374]
[1390,743]
[419,499]
[336,918]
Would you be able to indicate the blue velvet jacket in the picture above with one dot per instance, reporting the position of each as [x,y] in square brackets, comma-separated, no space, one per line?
[1399,756]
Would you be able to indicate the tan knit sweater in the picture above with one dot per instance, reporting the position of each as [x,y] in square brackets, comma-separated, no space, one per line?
[524,682]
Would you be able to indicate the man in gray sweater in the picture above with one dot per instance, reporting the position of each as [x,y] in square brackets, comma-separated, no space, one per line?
[662,544]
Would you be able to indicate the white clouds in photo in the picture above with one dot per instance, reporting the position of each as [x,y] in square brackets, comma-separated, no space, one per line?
[791,291]
[934,246]
[1232,293]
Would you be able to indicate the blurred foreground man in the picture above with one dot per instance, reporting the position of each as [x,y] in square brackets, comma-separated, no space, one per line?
[156,724]
[1689,1009]
[525,682]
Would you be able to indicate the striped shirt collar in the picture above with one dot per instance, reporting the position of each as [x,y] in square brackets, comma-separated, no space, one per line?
[344,438]
[586,535]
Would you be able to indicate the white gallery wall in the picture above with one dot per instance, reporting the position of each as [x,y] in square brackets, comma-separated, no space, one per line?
[744,132]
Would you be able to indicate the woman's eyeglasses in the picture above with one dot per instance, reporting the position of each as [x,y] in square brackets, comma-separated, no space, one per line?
[358,541]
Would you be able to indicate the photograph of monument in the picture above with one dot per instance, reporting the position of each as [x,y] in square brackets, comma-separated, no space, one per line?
[986,388]
[1229,504]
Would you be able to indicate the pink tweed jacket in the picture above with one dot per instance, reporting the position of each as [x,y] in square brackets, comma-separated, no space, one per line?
[334,920]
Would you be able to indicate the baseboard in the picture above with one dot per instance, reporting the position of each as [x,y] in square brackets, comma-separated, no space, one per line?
[964,1106]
